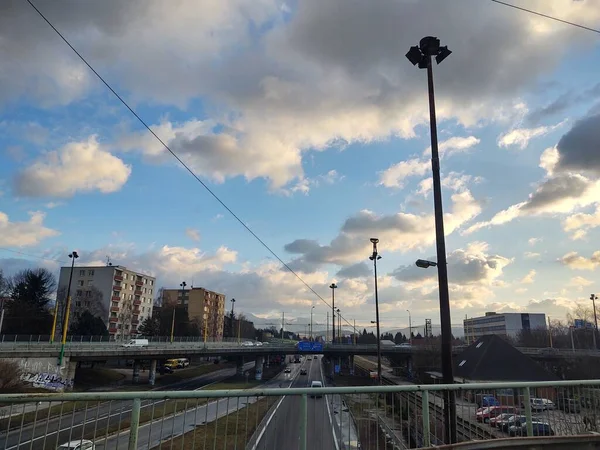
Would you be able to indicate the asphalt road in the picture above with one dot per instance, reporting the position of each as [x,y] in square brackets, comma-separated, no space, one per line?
[283,427]
[69,426]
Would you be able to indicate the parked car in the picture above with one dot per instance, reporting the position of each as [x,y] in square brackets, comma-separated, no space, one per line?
[493,411]
[79,444]
[568,405]
[538,428]
[258,344]
[287,370]
[404,345]
[165,369]
[316,385]
[302,371]
[514,420]
[494,421]
[484,400]
[540,404]
[247,344]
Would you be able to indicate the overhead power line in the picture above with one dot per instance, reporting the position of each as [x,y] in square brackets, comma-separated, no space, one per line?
[185,166]
[546,16]
[31,256]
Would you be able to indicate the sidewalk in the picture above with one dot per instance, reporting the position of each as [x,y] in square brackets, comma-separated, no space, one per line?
[348,439]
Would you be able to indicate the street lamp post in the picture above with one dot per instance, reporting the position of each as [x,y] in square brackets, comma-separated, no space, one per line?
[409,327]
[339,326]
[73,255]
[311,322]
[375,257]
[593,298]
[333,287]
[422,56]
[232,316]
[183,284]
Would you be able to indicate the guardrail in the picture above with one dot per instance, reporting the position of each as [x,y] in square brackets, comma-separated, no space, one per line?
[272,418]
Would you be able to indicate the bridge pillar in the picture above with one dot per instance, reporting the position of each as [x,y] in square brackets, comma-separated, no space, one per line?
[239,370]
[152,373]
[351,364]
[258,368]
[71,368]
[136,371]
[267,361]
[409,366]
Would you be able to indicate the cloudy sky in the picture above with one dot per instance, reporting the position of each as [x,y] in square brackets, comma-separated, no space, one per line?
[306,119]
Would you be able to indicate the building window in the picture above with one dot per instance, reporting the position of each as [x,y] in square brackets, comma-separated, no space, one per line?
[115,304]
[124,276]
[79,293]
[78,304]
[86,304]
[82,273]
[91,272]
[151,282]
[90,282]
[88,294]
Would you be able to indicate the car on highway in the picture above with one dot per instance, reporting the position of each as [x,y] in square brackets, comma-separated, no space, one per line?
[247,344]
[136,343]
[539,429]
[79,444]
[404,345]
[302,371]
[316,385]
[258,344]
[165,369]
[308,358]
[287,370]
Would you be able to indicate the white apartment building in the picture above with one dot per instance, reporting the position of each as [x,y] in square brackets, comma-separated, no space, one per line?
[502,324]
[126,296]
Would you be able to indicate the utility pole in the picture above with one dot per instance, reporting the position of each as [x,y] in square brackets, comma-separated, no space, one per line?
[572,342]
[232,316]
[333,286]
[282,324]
[550,332]
[375,257]
[593,298]
[327,328]
[73,255]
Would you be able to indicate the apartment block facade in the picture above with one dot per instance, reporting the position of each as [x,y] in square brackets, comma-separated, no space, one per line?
[205,308]
[123,297]
[502,324]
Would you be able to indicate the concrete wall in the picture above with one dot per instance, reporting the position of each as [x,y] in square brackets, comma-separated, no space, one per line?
[45,373]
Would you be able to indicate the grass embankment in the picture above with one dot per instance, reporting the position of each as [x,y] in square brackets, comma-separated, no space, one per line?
[101,376]
[228,432]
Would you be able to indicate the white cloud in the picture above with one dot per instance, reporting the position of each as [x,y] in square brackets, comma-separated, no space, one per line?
[454,181]
[400,232]
[456,144]
[193,234]
[395,175]
[76,167]
[23,234]
[534,240]
[529,278]
[576,262]
[579,282]
[531,255]
[521,290]
[521,136]
[331,177]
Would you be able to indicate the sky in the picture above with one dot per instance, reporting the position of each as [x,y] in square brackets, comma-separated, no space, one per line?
[306,120]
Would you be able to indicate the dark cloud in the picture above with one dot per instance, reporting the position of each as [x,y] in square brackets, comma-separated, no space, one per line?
[560,104]
[557,188]
[357,270]
[579,148]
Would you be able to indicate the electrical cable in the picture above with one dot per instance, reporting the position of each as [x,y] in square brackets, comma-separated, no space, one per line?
[546,16]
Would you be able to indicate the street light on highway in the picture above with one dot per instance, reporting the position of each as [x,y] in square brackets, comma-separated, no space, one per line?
[73,255]
[375,257]
[183,285]
[231,324]
[333,287]
[311,322]
[409,327]
[422,55]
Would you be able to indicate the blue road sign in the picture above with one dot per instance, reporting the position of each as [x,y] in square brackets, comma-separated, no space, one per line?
[307,346]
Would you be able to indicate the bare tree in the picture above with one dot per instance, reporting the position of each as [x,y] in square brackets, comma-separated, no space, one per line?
[581,312]
[10,376]
[90,299]
[125,317]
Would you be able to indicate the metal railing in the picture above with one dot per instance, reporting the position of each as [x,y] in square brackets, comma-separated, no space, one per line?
[381,417]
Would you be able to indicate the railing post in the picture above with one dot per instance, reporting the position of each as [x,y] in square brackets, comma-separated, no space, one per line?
[527,401]
[303,421]
[135,424]
[425,409]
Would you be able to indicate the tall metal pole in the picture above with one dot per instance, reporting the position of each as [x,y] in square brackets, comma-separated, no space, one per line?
[374,257]
[593,298]
[73,256]
[446,323]
[409,327]
[232,329]
[311,322]
[327,328]
[333,286]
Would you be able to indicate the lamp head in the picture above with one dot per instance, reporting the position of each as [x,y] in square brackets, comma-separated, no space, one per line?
[443,54]
[374,241]
[429,46]
[73,255]
[424,264]
[333,286]
[414,55]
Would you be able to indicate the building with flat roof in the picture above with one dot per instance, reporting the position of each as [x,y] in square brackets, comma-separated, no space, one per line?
[205,309]
[121,297]
[502,324]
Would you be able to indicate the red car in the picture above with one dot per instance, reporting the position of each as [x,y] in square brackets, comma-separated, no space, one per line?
[501,418]
[493,411]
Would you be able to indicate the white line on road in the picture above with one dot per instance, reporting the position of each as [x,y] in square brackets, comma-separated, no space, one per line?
[337,447]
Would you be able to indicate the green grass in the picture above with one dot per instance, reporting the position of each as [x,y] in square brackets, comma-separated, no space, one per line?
[86,378]
[43,413]
[229,432]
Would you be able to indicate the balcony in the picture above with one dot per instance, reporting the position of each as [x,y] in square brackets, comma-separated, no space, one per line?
[118,278]
[115,298]
[139,283]
[114,309]
[137,302]
[117,287]
[138,292]
[136,311]
[135,322]
[113,319]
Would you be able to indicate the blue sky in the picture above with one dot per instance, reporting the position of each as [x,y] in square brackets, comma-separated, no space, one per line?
[306,120]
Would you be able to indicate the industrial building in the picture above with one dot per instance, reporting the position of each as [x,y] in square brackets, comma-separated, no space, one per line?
[502,324]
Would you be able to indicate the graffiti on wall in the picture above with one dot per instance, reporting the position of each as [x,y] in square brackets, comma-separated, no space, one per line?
[47,381]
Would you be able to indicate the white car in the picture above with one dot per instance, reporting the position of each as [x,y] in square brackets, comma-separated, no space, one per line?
[80,444]
[317,385]
[258,344]
[247,344]
[404,345]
